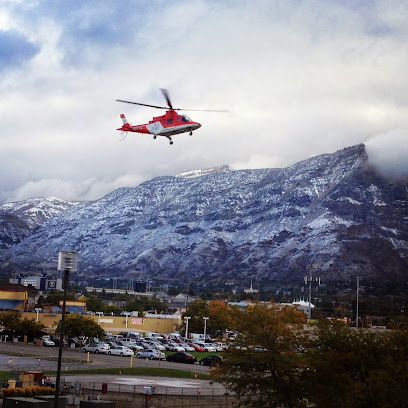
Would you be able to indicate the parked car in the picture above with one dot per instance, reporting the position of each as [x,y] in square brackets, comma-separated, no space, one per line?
[132,345]
[96,348]
[181,357]
[143,345]
[208,347]
[121,351]
[48,343]
[197,347]
[172,346]
[75,341]
[212,360]
[151,354]
[157,345]
[187,347]
[219,346]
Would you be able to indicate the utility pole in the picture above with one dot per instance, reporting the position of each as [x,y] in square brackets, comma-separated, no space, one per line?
[67,261]
[309,279]
[358,284]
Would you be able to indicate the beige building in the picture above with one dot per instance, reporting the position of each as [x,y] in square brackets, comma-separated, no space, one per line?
[115,324]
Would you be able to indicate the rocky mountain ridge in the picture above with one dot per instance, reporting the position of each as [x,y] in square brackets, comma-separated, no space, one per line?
[19,219]
[332,210]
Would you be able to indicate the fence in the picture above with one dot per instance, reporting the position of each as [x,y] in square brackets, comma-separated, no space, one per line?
[157,396]
[95,388]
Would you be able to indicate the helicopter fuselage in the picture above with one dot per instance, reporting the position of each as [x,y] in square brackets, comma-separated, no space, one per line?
[166,125]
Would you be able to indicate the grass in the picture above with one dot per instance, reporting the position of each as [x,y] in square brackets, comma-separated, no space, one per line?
[197,354]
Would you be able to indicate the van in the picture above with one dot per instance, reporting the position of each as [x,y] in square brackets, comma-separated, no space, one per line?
[197,336]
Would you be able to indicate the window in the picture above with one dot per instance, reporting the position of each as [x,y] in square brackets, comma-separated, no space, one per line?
[169,121]
[185,118]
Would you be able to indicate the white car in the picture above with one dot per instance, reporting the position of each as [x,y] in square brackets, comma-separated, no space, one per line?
[151,354]
[48,343]
[175,347]
[156,345]
[219,346]
[187,347]
[121,351]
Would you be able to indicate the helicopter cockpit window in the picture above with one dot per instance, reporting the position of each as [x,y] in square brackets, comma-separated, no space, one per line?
[169,121]
[185,118]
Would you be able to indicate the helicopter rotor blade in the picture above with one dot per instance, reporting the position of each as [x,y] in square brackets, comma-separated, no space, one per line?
[142,104]
[200,110]
[166,95]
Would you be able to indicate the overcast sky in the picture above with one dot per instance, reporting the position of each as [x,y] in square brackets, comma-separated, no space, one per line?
[299,78]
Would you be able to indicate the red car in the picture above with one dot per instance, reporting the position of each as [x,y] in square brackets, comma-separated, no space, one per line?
[197,347]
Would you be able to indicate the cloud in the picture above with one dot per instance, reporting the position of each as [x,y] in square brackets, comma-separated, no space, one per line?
[89,189]
[299,78]
[15,49]
[388,153]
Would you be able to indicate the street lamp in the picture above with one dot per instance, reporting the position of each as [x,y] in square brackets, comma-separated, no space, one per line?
[67,261]
[127,314]
[205,326]
[38,310]
[99,316]
[187,319]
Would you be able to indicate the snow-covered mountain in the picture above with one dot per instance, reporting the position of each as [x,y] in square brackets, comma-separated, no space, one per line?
[332,210]
[19,219]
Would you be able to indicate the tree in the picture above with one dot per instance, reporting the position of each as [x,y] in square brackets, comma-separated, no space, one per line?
[196,310]
[78,325]
[12,322]
[133,306]
[30,328]
[219,316]
[112,309]
[54,297]
[358,368]
[263,368]
[10,319]
[94,304]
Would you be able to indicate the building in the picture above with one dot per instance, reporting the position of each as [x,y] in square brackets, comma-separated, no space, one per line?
[38,282]
[13,299]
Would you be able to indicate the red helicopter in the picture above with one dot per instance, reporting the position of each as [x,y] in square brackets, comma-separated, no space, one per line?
[171,123]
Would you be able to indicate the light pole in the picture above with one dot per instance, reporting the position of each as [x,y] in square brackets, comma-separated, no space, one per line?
[67,261]
[38,310]
[99,317]
[127,314]
[187,319]
[205,326]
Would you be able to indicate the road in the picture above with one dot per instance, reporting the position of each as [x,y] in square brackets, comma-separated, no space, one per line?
[22,356]
[29,356]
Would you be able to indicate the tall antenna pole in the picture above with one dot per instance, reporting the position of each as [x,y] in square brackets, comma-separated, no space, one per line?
[358,283]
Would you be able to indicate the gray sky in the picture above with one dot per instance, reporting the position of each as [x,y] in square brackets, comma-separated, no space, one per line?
[300,78]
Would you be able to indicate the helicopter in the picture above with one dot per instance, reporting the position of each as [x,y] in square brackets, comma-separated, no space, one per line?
[167,125]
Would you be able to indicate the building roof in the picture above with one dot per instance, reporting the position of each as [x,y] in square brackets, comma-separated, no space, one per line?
[9,304]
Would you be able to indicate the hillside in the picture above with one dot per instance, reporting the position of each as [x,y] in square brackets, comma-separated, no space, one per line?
[332,210]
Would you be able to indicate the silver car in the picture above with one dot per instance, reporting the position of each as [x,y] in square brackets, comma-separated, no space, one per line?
[151,354]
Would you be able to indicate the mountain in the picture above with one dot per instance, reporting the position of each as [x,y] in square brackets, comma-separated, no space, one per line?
[332,210]
[19,219]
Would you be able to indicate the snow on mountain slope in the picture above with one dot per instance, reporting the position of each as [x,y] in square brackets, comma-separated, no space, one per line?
[18,219]
[332,210]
